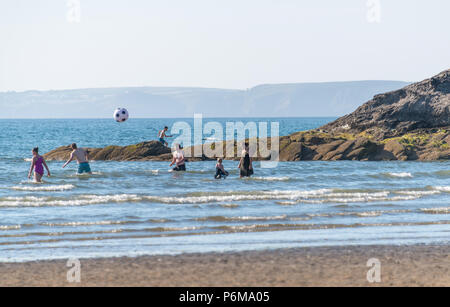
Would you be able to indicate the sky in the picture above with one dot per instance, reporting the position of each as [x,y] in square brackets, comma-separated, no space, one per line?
[47,45]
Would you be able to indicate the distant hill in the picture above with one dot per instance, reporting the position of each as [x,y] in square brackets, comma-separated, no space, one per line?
[283,100]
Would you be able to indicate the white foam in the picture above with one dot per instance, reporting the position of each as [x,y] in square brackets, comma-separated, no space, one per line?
[238,196]
[417,193]
[82,200]
[13,227]
[271,178]
[441,210]
[74,224]
[442,189]
[48,188]
[401,175]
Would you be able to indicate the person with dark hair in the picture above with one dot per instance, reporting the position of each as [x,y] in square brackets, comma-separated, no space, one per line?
[82,158]
[246,162]
[38,164]
[162,134]
[220,170]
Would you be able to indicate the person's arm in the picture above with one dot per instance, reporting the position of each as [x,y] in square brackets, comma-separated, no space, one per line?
[68,161]
[46,167]
[33,161]
[173,161]
[251,163]
[240,162]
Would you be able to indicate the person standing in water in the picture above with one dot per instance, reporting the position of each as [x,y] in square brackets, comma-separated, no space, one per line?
[178,159]
[162,134]
[82,158]
[246,163]
[38,164]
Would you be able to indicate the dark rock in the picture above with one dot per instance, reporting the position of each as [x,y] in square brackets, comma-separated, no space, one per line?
[421,105]
[141,151]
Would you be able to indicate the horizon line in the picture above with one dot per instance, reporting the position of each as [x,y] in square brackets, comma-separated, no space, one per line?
[198,87]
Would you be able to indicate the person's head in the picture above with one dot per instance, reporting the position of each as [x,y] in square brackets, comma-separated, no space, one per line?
[74,146]
[35,151]
[219,160]
[246,145]
[166,128]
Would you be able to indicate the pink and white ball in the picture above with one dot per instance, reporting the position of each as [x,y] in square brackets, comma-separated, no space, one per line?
[121,115]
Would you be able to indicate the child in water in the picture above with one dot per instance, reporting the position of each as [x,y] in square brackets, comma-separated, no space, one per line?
[220,170]
[38,163]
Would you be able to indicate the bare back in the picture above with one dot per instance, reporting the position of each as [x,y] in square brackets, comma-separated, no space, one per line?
[80,155]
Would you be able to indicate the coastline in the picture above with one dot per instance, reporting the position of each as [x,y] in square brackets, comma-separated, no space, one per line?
[414,265]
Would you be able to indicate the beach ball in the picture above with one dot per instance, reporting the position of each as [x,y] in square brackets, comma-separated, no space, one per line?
[120,115]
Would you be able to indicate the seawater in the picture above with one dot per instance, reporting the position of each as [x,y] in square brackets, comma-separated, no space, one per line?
[140,208]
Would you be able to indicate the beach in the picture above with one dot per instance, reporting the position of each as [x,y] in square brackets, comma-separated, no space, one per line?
[415,265]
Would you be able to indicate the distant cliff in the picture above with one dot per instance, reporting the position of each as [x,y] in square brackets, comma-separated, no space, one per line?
[278,100]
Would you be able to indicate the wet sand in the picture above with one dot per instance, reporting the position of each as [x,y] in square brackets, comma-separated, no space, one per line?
[321,266]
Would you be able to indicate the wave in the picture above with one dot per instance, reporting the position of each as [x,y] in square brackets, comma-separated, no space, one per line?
[241,218]
[47,188]
[11,227]
[442,189]
[400,175]
[288,197]
[96,223]
[81,200]
[441,210]
[270,178]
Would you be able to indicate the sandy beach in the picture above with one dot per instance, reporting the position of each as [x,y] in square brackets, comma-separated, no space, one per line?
[321,266]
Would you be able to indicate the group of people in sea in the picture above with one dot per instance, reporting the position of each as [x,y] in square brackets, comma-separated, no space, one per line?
[82,157]
[179,160]
[38,162]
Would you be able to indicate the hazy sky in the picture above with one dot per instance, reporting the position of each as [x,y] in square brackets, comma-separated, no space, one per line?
[218,43]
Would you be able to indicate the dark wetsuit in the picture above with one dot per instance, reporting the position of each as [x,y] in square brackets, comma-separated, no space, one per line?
[220,173]
[245,166]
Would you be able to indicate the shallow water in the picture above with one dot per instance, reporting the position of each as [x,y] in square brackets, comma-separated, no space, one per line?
[137,208]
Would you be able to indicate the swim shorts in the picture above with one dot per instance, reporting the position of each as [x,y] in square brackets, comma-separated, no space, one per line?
[84,168]
[180,168]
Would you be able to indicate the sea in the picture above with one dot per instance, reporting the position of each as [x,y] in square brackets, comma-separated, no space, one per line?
[140,208]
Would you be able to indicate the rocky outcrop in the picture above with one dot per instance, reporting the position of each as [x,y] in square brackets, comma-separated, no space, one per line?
[409,124]
[152,150]
[301,146]
[423,105]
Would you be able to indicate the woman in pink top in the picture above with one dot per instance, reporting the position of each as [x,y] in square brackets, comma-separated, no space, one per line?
[38,163]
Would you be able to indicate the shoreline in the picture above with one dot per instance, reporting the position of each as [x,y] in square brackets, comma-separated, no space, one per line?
[414,265]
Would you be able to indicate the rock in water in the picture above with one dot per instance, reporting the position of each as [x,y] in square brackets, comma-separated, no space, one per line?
[422,105]
[143,151]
